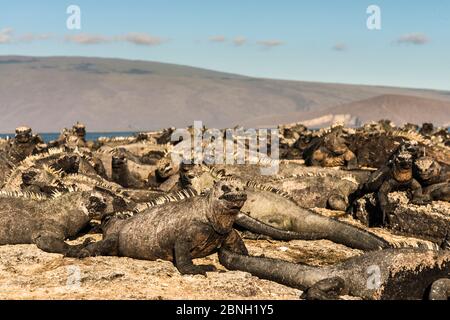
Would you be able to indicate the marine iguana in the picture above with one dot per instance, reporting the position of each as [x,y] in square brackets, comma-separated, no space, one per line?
[374,149]
[47,181]
[6,167]
[330,151]
[396,175]
[23,145]
[14,179]
[294,138]
[434,178]
[380,275]
[177,231]
[28,218]
[166,176]
[408,215]
[47,169]
[310,187]
[134,171]
[121,174]
[73,138]
[278,210]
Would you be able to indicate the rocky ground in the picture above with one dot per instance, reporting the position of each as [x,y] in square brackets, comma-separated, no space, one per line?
[29,273]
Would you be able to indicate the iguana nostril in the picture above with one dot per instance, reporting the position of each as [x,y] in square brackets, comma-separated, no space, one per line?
[226,189]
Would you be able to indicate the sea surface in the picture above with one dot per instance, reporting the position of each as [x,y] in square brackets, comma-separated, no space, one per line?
[89,136]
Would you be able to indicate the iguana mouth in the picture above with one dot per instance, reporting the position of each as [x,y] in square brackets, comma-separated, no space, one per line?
[236,200]
[165,171]
[404,162]
[404,165]
[118,162]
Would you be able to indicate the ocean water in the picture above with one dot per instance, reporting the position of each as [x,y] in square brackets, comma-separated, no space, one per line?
[89,136]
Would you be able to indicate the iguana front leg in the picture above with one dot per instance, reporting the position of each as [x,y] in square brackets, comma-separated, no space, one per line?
[183,258]
[418,197]
[327,289]
[235,243]
[382,196]
[351,160]
[317,158]
[106,247]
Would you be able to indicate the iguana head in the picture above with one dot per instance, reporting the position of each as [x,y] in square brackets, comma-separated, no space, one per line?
[427,129]
[426,168]
[96,205]
[166,168]
[29,176]
[92,203]
[79,129]
[42,178]
[79,204]
[335,142]
[228,198]
[197,177]
[118,161]
[403,160]
[23,135]
[68,163]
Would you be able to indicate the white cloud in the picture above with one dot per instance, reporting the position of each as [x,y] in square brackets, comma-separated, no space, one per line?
[413,38]
[218,38]
[340,47]
[6,35]
[85,38]
[30,37]
[270,43]
[142,39]
[239,41]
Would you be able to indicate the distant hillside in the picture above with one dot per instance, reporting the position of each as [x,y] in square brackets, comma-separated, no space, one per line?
[120,95]
[397,108]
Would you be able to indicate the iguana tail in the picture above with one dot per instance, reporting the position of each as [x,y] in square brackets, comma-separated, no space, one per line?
[287,273]
[259,227]
[316,227]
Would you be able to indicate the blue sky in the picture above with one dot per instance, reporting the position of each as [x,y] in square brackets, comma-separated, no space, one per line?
[320,40]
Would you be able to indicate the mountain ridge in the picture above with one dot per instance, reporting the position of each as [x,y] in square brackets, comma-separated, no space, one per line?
[49,93]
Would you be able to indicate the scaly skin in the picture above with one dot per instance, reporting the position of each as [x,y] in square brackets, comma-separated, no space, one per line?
[276,209]
[177,231]
[23,145]
[47,223]
[6,167]
[381,275]
[122,175]
[396,175]
[331,151]
[310,187]
[434,178]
